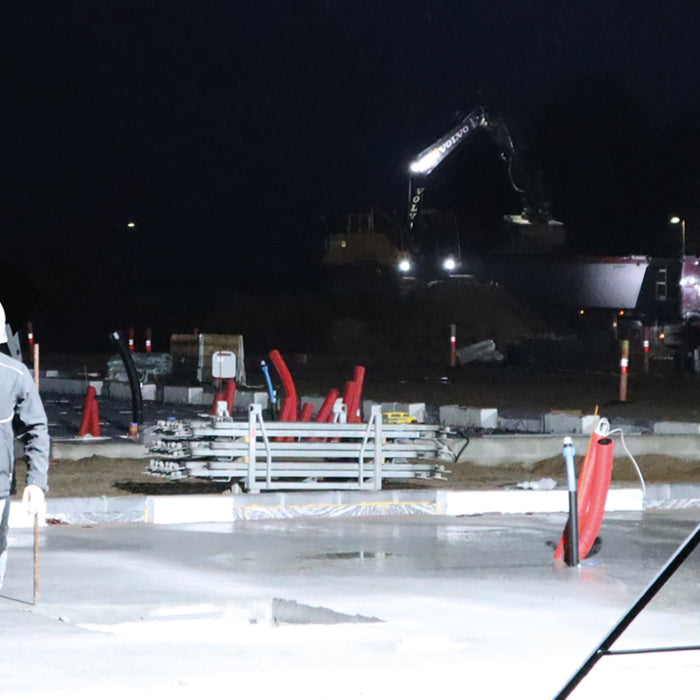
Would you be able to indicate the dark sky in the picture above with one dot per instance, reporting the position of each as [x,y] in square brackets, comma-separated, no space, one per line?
[235,133]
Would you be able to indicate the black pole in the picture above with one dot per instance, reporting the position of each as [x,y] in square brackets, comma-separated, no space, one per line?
[571,545]
[651,590]
[134,383]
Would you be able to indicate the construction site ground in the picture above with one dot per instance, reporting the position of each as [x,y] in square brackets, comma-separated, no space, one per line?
[357,607]
[663,395]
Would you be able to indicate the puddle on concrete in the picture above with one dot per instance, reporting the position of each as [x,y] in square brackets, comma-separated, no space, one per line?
[361,555]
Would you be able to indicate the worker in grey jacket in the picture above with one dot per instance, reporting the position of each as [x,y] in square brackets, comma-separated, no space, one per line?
[22,416]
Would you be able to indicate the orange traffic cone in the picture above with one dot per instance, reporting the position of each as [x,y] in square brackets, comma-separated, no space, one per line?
[90,423]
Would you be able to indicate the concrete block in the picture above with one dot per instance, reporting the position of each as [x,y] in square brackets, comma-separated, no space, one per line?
[524,501]
[19,518]
[567,423]
[168,510]
[119,390]
[469,417]
[676,428]
[521,425]
[245,398]
[73,387]
[183,394]
[315,401]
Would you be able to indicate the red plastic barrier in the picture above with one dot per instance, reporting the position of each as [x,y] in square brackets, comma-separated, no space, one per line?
[219,396]
[307,411]
[325,413]
[352,401]
[590,527]
[583,488]
[592,492]
[90,423]
[359,379]
[289,388]
[231,388]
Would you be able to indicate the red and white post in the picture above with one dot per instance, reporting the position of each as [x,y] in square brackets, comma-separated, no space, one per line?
[647,349]
[148,340]
[624,368]
[131,339]
[453,345]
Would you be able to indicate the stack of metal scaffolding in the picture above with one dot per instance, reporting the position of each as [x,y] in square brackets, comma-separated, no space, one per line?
[267,455]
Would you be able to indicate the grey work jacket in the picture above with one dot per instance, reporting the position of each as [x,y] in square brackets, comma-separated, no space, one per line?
[22,415]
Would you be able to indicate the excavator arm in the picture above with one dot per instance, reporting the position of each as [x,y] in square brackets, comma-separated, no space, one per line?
[432,156]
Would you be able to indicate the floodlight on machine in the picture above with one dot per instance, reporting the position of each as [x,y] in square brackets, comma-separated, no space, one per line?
[449,264]
[405,265]
[428,159]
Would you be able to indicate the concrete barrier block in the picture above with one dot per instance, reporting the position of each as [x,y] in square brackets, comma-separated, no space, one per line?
[183,394]
[469,417]
[521,425]
[676,428]
[315,401]
[168,510]
[524,501]
[19,517]
[245,398]
[73,387]
[120,390]
[566,423]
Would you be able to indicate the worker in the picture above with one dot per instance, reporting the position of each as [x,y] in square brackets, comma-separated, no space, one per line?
[22,417]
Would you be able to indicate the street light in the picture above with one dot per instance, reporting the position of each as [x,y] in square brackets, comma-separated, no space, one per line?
[677,220]
[134,248]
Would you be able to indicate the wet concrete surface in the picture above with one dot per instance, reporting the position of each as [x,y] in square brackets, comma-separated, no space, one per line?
[411,606]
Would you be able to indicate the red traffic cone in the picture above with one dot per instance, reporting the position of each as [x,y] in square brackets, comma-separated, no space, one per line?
[90,424]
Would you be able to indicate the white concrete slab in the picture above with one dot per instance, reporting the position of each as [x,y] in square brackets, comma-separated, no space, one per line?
[473,604]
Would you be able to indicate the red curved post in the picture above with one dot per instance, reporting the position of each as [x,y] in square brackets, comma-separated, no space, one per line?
[359,379]
[231,388]
[325,413]
[307,411]
[290,400]
[350,398]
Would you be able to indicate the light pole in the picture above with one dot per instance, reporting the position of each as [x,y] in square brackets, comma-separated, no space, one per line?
[677,220]
[132,225]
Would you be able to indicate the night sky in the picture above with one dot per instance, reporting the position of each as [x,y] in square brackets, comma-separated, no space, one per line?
[236,135]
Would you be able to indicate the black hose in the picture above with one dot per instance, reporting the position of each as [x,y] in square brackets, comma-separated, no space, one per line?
[134,383]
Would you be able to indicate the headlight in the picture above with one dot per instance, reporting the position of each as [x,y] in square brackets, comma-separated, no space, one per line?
[405,265]
[449,264]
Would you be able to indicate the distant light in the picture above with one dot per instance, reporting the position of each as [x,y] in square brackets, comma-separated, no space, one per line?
[581,312]
[449,264]
[675,220]
[131,224]
[621,312]
[426,163]
[405,265]
[662,336]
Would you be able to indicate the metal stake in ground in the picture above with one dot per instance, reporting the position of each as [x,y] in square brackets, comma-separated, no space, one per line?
[36,558]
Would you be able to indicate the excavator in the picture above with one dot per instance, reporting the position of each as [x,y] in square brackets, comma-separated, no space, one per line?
[535,210]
